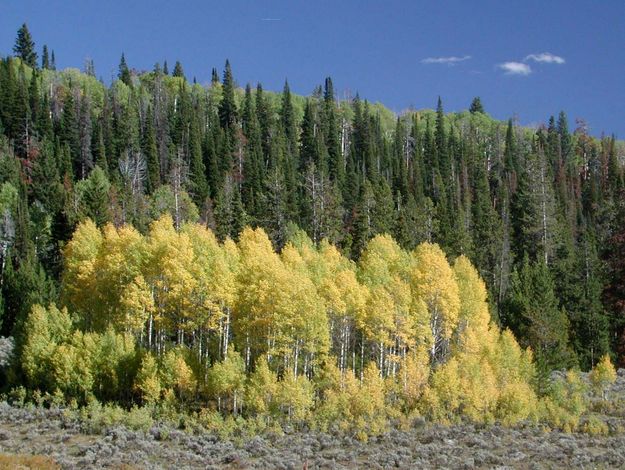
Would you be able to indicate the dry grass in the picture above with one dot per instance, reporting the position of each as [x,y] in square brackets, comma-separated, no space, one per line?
[27,462]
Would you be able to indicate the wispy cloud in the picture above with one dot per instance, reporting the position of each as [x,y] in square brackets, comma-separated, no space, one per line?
[453,60]
[515,68]
[546,58]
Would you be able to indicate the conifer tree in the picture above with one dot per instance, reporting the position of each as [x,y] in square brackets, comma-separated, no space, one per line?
[253,169]
[24,47]
[533,312]
[178,72]
[150,150]
[45,58]
[476,106]
[199,185]
[124,72]
[336,160]
[228,108]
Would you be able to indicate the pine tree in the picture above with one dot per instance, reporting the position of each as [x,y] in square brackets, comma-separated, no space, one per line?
[263,114]
[336,160]
[228,108]
[476,106]
[214,76]
[253,164]
[199,185]
[441,147]
[45,58]
[534,314]
[150,150]
[24,47]
[124,72]
[178,72]
[96,197]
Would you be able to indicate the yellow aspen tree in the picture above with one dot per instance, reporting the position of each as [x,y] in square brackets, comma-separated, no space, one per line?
[434,283]
[478,385]
[261,389]
[602,376]
[413,377]
[385,267]
[176,375]
[214,292]
[135,306]
[119,264]
[226,289]
[308,328]
[226,382]
[79,281]
[170,259]
[333,402]
[112,372]
[343,296]
[445,394]
[71,366]
[147,383]
[44,330]
[473,311]
[295,396]
[346,300]
[262,280]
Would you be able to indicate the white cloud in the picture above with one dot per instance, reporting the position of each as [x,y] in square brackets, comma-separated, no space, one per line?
[515,68]
[546,57]
[453,60]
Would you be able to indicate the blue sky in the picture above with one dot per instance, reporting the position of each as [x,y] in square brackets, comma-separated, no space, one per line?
[378,48]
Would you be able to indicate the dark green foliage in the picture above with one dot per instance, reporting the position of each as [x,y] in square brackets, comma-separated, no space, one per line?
[25,283]
[614,293]
[45,58]
[230,217]
[476,106]
[198,184]
[178,72]
[150,151]
[534,314]
[24,47]
[124,72]
[95,197]
[228,108]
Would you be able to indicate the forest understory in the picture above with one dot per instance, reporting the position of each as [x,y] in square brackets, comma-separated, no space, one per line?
[67,443]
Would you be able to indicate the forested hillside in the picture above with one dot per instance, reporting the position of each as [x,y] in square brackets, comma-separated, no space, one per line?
[101,187]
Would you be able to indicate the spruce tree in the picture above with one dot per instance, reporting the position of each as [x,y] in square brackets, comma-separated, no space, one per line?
[69,131]
[45,58]
[24,47]
[214,76]
[336,160]
[197,170]
[178,72]
[252,184]
[150,151]
[476,106]
[124,72]
[534,314]
[228,108]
